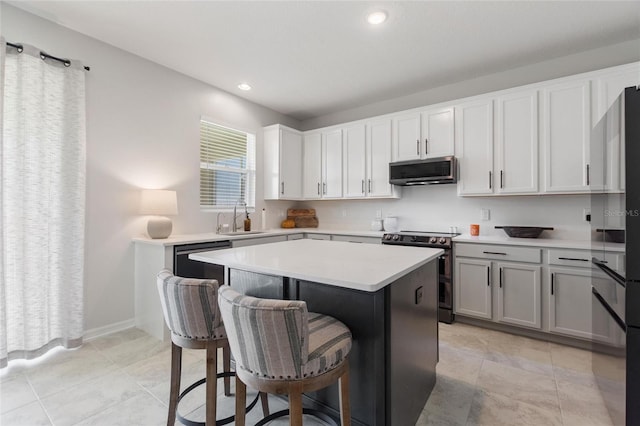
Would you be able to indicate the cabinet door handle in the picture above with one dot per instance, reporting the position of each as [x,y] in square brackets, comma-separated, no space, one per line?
[282,189]
[494,252]
[490,187]
[418,147]
[318,188]
[426,146]
[363,186]
[324,188]
[369,185]
[501,183]
[500,277]
[588,177]
[552,278]
[489,276]
[574,259]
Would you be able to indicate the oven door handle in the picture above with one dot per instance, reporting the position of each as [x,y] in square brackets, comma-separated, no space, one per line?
[610,272]
[605,305]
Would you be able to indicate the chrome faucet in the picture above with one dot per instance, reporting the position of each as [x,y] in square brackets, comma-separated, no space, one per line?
[235,216]
[218,226]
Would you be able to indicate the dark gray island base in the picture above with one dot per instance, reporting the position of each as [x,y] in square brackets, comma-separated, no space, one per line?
[395,340]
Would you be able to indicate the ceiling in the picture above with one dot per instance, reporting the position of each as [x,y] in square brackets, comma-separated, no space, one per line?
[306,59]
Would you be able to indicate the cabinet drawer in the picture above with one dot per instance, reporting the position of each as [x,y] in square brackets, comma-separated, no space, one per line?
[489,251]
[313,236]
[579,258]
[356,239]
[254,241]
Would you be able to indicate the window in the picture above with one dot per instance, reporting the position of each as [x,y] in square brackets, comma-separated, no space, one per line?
[227,167]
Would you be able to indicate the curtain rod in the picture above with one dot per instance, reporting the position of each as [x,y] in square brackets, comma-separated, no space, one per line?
[44,55]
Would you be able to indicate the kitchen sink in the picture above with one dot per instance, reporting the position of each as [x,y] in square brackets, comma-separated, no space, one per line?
[241,233]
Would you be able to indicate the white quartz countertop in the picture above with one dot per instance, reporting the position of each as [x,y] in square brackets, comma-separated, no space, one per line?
[366,267]
[535,242]
[212,236]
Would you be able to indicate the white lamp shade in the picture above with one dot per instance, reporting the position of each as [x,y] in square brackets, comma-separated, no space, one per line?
[158,202]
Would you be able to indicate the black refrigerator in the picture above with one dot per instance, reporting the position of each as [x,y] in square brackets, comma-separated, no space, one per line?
[615,222]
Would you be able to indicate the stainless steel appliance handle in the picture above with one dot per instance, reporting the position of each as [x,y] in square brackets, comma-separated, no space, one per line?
[610,272]
[227,244]
[606,306]
[574,259]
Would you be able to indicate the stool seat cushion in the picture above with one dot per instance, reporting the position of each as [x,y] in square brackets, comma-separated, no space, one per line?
[329,344]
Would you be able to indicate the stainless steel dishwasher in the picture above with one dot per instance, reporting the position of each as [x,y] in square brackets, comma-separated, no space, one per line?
[185,267]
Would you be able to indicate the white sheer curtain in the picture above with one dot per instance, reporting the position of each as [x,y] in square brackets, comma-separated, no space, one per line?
[42,203]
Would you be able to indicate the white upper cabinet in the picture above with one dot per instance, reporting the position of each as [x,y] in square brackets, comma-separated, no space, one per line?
[607,89]
[366,157]
[474,147]
[312,166]
[566,129]
[516,143]
[322,176]
[332,164]
[437,132]
[379,145]
[282,163]
[407,137]
[424,134]
[355,161]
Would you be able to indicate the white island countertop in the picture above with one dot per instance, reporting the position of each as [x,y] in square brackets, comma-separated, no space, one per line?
[365,267]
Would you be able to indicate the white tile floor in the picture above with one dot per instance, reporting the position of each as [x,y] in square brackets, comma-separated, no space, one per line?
[484,378]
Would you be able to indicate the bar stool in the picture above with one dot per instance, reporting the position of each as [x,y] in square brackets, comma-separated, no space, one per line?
[191,313]
[281,348]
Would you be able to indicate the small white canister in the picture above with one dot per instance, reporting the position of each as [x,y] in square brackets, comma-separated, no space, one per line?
[391,224]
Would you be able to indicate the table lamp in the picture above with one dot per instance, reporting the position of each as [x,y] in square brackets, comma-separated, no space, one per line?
[159,202]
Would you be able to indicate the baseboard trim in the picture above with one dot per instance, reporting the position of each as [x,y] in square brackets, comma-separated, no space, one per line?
[94,333]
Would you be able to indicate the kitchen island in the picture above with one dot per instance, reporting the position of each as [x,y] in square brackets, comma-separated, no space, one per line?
[386,295]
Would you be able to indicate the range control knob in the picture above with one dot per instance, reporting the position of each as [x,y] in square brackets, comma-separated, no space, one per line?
[442,240]
[414,239]
[387,236]
[396,237]
[432,240]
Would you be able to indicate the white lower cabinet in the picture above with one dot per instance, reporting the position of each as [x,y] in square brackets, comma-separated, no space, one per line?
[571,308]
[473,288]
[519,294]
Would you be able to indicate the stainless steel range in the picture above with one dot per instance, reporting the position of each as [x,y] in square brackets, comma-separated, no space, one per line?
[445,262]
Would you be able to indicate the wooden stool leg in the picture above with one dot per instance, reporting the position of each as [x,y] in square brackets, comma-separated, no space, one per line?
[295,404]
[264,398]
[226,367]
[345,404]
[212,384]
[174,389]
[241,400]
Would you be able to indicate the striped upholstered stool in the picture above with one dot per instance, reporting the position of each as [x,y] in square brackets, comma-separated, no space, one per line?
[191,312]
[281,348]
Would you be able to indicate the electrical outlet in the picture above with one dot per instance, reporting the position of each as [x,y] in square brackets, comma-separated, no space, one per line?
[586,215]
[280,213]
[485,214]
[378,214]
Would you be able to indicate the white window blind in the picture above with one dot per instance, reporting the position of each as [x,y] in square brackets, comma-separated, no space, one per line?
[227,167]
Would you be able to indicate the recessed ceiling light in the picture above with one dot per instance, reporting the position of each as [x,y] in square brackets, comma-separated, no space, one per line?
[244,86]
[376,18]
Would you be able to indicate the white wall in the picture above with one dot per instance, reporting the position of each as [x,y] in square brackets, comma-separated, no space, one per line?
[437,207]
[590,60]
[142,131]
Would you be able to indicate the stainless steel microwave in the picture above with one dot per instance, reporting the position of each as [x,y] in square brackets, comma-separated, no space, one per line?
[429,171]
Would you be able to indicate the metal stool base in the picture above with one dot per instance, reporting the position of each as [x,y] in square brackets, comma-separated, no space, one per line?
[221,422]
